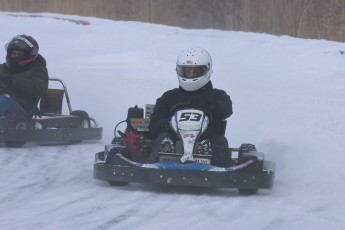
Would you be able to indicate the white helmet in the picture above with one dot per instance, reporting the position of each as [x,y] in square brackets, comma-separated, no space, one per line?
[194,68]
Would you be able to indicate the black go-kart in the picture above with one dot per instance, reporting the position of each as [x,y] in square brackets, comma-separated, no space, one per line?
[126,159]
[47,125]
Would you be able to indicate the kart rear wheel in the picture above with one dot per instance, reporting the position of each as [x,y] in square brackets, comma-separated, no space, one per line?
[245,148]
[118,183]
[84,118]
[248,191]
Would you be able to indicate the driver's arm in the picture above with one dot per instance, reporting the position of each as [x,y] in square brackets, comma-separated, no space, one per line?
[159,121]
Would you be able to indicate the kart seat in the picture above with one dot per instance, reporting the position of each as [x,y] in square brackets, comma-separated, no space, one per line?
[51,102]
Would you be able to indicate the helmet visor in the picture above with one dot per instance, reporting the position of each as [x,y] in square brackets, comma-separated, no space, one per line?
[191,71]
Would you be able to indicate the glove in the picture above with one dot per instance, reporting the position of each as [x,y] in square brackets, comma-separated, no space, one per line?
[198,104]
[205,105]
[203,100]
[202,103]
[5,81]
[178,106]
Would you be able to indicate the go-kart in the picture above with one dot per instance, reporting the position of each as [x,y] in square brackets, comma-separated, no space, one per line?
[46,124]
[126,159]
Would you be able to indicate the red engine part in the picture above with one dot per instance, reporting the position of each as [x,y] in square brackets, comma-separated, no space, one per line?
[132,142]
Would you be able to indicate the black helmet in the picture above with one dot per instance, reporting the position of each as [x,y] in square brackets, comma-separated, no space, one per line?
[25,43]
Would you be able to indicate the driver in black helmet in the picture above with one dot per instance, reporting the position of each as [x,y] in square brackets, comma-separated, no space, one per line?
[23,78]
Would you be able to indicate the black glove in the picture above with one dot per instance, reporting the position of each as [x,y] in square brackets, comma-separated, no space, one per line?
[5,81]
[203,98]
[178,106]
[198,104]
[206,105]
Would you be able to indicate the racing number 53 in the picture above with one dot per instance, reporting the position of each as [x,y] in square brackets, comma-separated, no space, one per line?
[190,116]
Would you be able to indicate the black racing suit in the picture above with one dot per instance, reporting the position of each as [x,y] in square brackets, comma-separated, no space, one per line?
[213,101]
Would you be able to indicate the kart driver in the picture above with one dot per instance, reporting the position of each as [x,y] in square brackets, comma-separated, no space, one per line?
[23,78]
[194,69]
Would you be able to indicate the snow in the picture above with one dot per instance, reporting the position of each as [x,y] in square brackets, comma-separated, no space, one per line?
[288,97]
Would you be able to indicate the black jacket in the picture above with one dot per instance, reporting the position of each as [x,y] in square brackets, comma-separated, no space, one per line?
[27,86]
[215,101]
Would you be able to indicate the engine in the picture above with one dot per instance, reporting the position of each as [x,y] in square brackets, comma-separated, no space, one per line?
[136,137]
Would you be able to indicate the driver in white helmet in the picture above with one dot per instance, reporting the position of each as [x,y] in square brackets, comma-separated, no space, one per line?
[194,69]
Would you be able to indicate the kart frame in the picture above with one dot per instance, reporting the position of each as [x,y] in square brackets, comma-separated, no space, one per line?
[47,125]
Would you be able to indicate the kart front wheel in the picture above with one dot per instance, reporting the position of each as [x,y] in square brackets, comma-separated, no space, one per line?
[17,144]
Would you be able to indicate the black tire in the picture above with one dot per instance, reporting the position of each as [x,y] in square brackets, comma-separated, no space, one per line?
[118,183]
[247,148]
[17,144]
[99,156]
[84,118]
[248,191]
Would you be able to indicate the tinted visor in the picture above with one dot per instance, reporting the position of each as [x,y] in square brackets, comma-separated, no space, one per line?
[191,71]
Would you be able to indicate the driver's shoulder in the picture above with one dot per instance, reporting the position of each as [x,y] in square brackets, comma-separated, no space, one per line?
[172,92]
